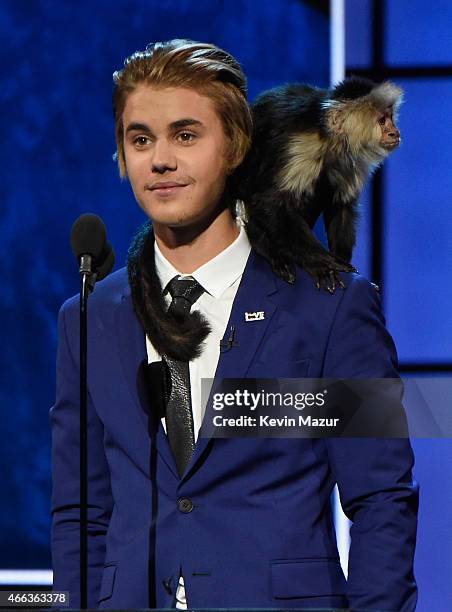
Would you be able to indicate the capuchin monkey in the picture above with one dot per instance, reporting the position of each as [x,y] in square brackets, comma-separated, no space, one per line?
[312,152]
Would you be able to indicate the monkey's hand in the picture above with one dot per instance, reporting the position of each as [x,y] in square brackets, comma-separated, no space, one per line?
[325,272]
[323,268]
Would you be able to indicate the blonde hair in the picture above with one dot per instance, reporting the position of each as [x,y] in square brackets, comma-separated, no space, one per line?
[187,63]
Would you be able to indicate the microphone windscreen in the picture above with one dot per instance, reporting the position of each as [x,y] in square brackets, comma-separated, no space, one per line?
[106,262]
[88,236]
[151,388]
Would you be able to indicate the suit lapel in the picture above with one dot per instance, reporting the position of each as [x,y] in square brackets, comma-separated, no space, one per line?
[253,295]
[257,284]
[131,343]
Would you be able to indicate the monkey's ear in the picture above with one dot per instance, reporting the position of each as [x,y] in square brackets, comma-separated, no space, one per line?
[334,115]
[336,125]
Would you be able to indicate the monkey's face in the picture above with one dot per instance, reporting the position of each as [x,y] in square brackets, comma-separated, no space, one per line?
[389,134]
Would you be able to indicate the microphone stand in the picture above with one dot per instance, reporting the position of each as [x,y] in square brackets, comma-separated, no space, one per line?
[87,282]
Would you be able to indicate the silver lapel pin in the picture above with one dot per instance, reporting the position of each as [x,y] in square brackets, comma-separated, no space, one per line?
[255,316]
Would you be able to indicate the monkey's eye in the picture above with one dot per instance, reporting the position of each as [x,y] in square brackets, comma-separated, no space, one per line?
[382,119]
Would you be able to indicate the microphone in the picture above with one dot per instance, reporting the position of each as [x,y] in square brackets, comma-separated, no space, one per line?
[96,258]
[230,342]
[106,262]
[90,247]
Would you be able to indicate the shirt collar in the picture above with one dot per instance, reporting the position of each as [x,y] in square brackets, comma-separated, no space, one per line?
[217,274]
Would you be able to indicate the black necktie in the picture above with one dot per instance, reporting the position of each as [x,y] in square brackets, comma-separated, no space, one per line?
[179,416]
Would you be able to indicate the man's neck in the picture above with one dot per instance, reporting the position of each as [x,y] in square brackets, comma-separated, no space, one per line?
[187,249]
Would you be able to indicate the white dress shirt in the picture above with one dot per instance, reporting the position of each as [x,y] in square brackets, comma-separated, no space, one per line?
[220,277]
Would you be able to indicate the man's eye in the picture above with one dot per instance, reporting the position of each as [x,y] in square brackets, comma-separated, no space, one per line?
[141,140]
[187,134]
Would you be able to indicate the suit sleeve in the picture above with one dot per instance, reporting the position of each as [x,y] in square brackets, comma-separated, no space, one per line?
[64,419]
[374,475]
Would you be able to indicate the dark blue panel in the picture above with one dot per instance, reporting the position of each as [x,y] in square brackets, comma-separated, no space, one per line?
[57,140]
[418,32]
[417,236]
[358,33]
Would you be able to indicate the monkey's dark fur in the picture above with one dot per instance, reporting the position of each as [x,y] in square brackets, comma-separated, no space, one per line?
[178,337]
[311,153]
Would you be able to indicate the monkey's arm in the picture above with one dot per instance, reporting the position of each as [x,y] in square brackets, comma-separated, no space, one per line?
[340,219]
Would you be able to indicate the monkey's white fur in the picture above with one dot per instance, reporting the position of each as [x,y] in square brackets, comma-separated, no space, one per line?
[349,150]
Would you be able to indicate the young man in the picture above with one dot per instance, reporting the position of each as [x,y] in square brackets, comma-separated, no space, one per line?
[176,519]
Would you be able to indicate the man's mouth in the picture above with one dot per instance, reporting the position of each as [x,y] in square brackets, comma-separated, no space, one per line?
[163,184]
[166,187]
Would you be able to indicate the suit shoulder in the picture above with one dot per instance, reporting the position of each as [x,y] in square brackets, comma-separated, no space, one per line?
[355,281]
[356,288]
[304,285]
[107,293]
[306,282]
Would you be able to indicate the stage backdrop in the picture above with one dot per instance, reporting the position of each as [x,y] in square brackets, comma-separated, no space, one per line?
[407,219]
[56,159]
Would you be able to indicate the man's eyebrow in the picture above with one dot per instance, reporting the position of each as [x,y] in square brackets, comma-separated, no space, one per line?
[180,123]
[185,122]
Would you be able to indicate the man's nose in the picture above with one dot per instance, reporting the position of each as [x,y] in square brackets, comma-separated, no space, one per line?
[163,157]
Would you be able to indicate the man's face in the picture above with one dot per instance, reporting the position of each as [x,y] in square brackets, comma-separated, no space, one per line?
[174,135]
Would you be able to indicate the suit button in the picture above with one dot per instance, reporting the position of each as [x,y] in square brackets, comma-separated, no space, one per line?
[185,505]
[167,585]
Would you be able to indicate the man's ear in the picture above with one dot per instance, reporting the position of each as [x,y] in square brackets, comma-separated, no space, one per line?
[121,166]
[231,167]
[124,176]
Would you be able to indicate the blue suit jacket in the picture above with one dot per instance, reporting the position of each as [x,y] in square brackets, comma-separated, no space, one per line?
[261,532]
